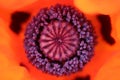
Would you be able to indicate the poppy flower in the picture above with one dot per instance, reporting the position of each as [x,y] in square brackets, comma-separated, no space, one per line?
[15,64]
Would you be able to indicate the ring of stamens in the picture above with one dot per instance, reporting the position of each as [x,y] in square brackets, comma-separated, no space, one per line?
[39,33]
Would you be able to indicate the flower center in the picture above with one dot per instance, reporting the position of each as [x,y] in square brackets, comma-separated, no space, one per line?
[59,41]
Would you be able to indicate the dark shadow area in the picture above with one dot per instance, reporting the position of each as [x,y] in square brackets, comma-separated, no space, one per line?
[106,28]
[17,18]
[23,65]
[82,78]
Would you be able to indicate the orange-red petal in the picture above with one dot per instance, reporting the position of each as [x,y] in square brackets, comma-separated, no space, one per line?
[97,6]
[111,69]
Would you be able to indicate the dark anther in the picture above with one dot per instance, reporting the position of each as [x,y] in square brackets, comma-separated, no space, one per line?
[106,28]
[17,18]
[82,78]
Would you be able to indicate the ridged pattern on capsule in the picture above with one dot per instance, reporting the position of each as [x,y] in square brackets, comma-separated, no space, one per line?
[60,13]
[59,41]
